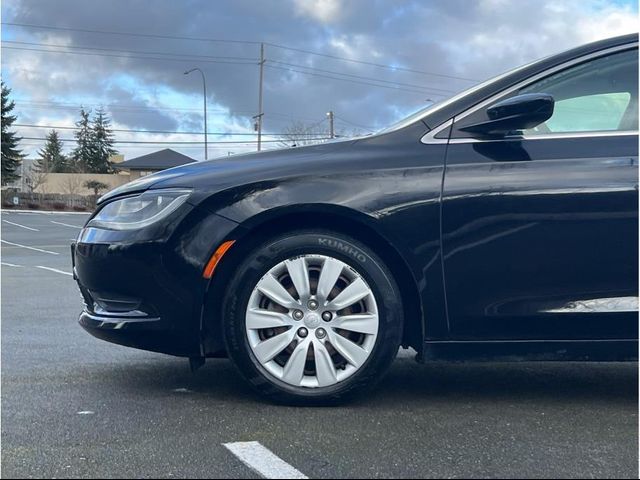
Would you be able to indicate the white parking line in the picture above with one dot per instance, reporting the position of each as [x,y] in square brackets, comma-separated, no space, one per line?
[21,226]
[30,248]
[262,461]
[7,264]
[54,270]
[64,224]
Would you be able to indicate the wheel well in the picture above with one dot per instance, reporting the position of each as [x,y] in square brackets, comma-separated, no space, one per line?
[260,231]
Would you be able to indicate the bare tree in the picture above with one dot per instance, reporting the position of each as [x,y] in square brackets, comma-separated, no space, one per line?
[297,134]
[35,179]
[72,184]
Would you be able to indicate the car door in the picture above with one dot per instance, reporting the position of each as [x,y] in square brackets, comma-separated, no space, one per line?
[540,228]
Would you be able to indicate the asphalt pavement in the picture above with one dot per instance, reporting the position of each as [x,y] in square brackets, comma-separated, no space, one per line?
[74,406]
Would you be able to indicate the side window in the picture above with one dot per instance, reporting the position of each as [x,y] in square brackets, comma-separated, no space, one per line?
[599,112]
[599,95]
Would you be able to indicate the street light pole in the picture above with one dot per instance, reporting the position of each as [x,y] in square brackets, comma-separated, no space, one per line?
[204,86]
[260,115]
[332,133]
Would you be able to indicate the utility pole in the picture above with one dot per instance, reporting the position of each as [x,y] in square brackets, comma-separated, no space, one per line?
[260,115]
[332,133]
[204,86]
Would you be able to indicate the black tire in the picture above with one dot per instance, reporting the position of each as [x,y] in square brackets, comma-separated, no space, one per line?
[306,242]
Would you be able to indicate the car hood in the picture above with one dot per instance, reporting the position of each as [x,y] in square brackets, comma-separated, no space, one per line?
[218,173]
[388,150]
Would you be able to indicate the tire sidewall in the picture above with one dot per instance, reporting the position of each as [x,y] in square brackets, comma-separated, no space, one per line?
[365,262]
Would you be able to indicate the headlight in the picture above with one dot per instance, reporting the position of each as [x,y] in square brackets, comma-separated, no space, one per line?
[136,212]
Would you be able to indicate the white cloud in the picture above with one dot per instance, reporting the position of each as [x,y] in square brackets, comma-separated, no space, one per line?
[325,11]
[471,39]
[606,23]
[355,46]
[506,34]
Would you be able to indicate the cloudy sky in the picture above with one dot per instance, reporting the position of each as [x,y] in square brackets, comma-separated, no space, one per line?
[369,61]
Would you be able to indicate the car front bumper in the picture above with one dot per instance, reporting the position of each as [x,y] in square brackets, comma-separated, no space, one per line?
[145,289]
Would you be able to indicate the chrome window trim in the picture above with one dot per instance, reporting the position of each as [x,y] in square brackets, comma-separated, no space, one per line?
[429,137]
[547,136]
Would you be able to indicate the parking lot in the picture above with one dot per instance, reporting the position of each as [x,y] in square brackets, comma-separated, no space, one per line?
[73,406]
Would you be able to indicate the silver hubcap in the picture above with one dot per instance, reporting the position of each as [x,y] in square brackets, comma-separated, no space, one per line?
[312,321]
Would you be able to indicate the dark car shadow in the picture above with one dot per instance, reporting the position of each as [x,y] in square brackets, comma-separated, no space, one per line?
[550,382]
[409,382]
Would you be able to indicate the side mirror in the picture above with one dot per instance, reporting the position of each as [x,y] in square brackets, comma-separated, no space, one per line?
[516,113]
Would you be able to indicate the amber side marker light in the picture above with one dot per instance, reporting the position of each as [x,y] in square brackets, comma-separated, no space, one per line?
[216,257]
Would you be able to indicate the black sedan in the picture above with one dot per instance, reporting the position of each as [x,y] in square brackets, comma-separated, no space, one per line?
[502,223]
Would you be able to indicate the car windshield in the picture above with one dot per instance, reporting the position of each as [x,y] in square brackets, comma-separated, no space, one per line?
[410,119]
[423,112]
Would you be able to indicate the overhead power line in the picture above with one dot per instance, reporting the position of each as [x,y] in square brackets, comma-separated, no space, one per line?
[146,52]
[135,109]
[344,120]
[130,34]
[117,106]
[34,144]
[142,54]
[394,68]
[125,130]
[360,82]
[421,92]
[143,57]
[373,64]
[93,103]
[362,77]
[121,142]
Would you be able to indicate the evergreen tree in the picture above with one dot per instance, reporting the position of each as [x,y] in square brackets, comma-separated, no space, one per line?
[11,156]
[82,156]
[102,143]
[51,157]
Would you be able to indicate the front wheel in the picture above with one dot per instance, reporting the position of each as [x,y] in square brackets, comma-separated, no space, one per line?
[312,317]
